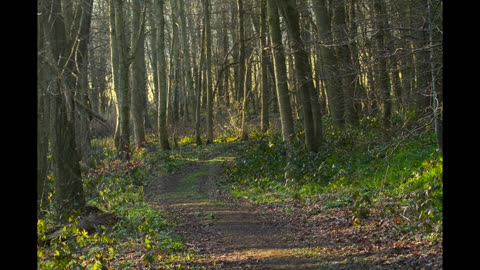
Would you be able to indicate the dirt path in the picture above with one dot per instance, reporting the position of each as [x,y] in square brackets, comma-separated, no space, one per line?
[222,232]
[225,233]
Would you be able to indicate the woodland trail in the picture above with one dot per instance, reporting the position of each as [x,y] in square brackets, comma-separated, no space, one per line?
[226,233]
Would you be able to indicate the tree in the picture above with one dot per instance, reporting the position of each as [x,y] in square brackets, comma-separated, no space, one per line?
[303,73]
[187,70]
[327,54]
[280,71]
[241,52]
[120,71]
[84,17]
[208,67]
[175,73]
[382,79]
[346,72]
[162,76]
[154,58]
[69,194]
[198,87]
[264,120]
[138,91]
[42,108]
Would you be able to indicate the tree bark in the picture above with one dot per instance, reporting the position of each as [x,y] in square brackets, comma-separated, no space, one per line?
[346,72]
[241,55]
[138,74]
[154,59]
[84,13]
[382,80]
[280,71]
[334,91]
[198,119]
[42,110]
[244,133]
[175,67]
[189,93]
[208,66]
[69,194]
[162,77]
[264,119]
[303,74]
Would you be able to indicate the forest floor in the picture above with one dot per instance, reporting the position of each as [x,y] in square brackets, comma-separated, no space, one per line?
[230,233]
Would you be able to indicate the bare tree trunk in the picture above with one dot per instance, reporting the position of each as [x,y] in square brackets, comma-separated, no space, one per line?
[42,110]
[114,59]
[175,67]
[334,91]
[280,71]
[346,72]
[382,80]
[436,91]
[359,91]
[189,94]
[162,76]
[244,134]
[208,63]
[138,74]
[84,15]
[241,54]
[154,60]
[123,91]
[226,77]
[98,58]
[303,74]
[69,195]
[264,119]
[198,119]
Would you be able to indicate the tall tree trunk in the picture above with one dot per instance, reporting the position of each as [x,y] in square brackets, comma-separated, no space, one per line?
[436,90]
[382,80]
[84,13]
[244,133]
[98,57]
[208,66]
[241,54]
[303,74]
[198,119]
[138,74]
[154,60]
[115,64]
[69,194]
[175,67]
[264,120]
[97,73]
[42,110]
[162,77]
[120,66]
[346,72]
[226,77]
[123,91]
[187,63]
[359,91]
[236,49]
[327,52]
[280,71]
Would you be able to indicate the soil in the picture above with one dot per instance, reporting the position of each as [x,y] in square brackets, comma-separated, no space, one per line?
[227,233]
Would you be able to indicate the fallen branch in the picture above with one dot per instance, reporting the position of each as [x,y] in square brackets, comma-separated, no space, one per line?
[91,112]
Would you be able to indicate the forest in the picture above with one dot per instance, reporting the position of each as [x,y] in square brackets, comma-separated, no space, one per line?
[239,134]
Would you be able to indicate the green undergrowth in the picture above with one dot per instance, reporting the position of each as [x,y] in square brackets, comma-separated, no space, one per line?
[396,177]
[142,237]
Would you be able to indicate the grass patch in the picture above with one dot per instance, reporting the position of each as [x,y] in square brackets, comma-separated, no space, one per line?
[355,168]
[141,238]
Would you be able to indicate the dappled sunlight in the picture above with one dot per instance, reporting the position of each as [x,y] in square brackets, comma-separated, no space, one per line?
[257,254]
[193,204]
